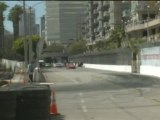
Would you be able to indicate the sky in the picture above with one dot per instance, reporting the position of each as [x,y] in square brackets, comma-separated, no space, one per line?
[39,11]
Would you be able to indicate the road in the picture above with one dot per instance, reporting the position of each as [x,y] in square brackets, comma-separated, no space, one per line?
[86,94]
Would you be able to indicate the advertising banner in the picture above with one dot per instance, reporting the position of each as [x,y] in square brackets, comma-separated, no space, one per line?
[150,56]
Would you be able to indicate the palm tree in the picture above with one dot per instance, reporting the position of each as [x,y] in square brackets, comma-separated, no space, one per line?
[14,16]
[117,35]
[3,7]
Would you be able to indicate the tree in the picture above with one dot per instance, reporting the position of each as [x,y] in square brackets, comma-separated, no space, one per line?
[14,16]
[77,47]
[18,45]
[117,35]
[100,45]
[35,40]
[134,43]
[3,7]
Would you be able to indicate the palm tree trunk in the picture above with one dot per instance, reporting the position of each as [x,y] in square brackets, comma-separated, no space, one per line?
[1,31]
[16,30]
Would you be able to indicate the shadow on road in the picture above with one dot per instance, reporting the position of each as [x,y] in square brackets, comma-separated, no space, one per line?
[132,81]
[113,81]
[57,117]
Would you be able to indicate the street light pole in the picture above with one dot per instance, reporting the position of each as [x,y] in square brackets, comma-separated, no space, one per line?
[30,38]
[24,34]
[147,22]
[30,54]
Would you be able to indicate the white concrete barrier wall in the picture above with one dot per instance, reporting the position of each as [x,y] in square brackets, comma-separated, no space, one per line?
[118,68]
[12,63]
[150,70]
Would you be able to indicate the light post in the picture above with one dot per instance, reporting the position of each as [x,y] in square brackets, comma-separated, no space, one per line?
[123,29]
[24,35]
[30,37]
[31,31]
[147,22]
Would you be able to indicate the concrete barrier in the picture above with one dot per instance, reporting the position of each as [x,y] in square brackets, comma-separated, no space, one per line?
[118,68]
[12,64]
[150,70]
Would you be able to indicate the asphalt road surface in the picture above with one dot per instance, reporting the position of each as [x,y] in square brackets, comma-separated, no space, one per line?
[86,94]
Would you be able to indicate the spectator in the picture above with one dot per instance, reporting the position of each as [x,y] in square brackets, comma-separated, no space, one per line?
[30,70]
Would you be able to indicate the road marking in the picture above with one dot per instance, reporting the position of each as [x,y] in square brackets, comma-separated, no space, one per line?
[84,108]
[80,94]
[82,101]
[46,83]
[75,82]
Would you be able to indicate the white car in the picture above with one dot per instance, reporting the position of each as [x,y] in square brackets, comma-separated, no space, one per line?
[59,65]
[48,65]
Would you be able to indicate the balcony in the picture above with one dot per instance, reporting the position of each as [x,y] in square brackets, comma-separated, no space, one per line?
[105,13]
[152,38]
[90,16]
[99,17]
[95,4]
[86,19]
[126,13]
[95,23]
[106,3]
[96,31]
[105,24]
[126,4]
[142,25]
[106,18]
[99,8]
[86,12]
[95,13]
[100,28]
[143,8]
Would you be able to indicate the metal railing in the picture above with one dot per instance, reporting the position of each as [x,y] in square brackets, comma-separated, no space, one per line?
[143,24]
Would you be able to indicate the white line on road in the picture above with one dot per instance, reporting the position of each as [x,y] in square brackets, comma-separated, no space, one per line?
[46,83]
[84,108]
[82,101]
[75,82]
[80,94]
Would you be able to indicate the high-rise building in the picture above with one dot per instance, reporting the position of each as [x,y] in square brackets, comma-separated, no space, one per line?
[126,11]
[42,27]
[144,21]
[62,21]
[30,18]
[102,17]
[37,29]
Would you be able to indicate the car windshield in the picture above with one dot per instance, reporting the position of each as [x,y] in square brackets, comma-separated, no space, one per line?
[79,60]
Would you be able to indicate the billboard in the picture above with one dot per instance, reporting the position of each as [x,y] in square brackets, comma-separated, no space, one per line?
[150,56]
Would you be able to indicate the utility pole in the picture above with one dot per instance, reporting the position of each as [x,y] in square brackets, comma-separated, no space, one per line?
[76,27]
[30,38]
[148,18]
[24,35]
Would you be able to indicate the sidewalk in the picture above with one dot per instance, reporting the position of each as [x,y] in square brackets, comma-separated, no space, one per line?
[19,78]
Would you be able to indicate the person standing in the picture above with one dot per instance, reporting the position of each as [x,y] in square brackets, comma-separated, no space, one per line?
[30,70]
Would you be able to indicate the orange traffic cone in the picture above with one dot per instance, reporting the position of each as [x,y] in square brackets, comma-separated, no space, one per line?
[53,106]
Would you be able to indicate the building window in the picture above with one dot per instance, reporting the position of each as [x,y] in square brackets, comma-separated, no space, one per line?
[153,31]
[144,16]
[144,33]
[152,16]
